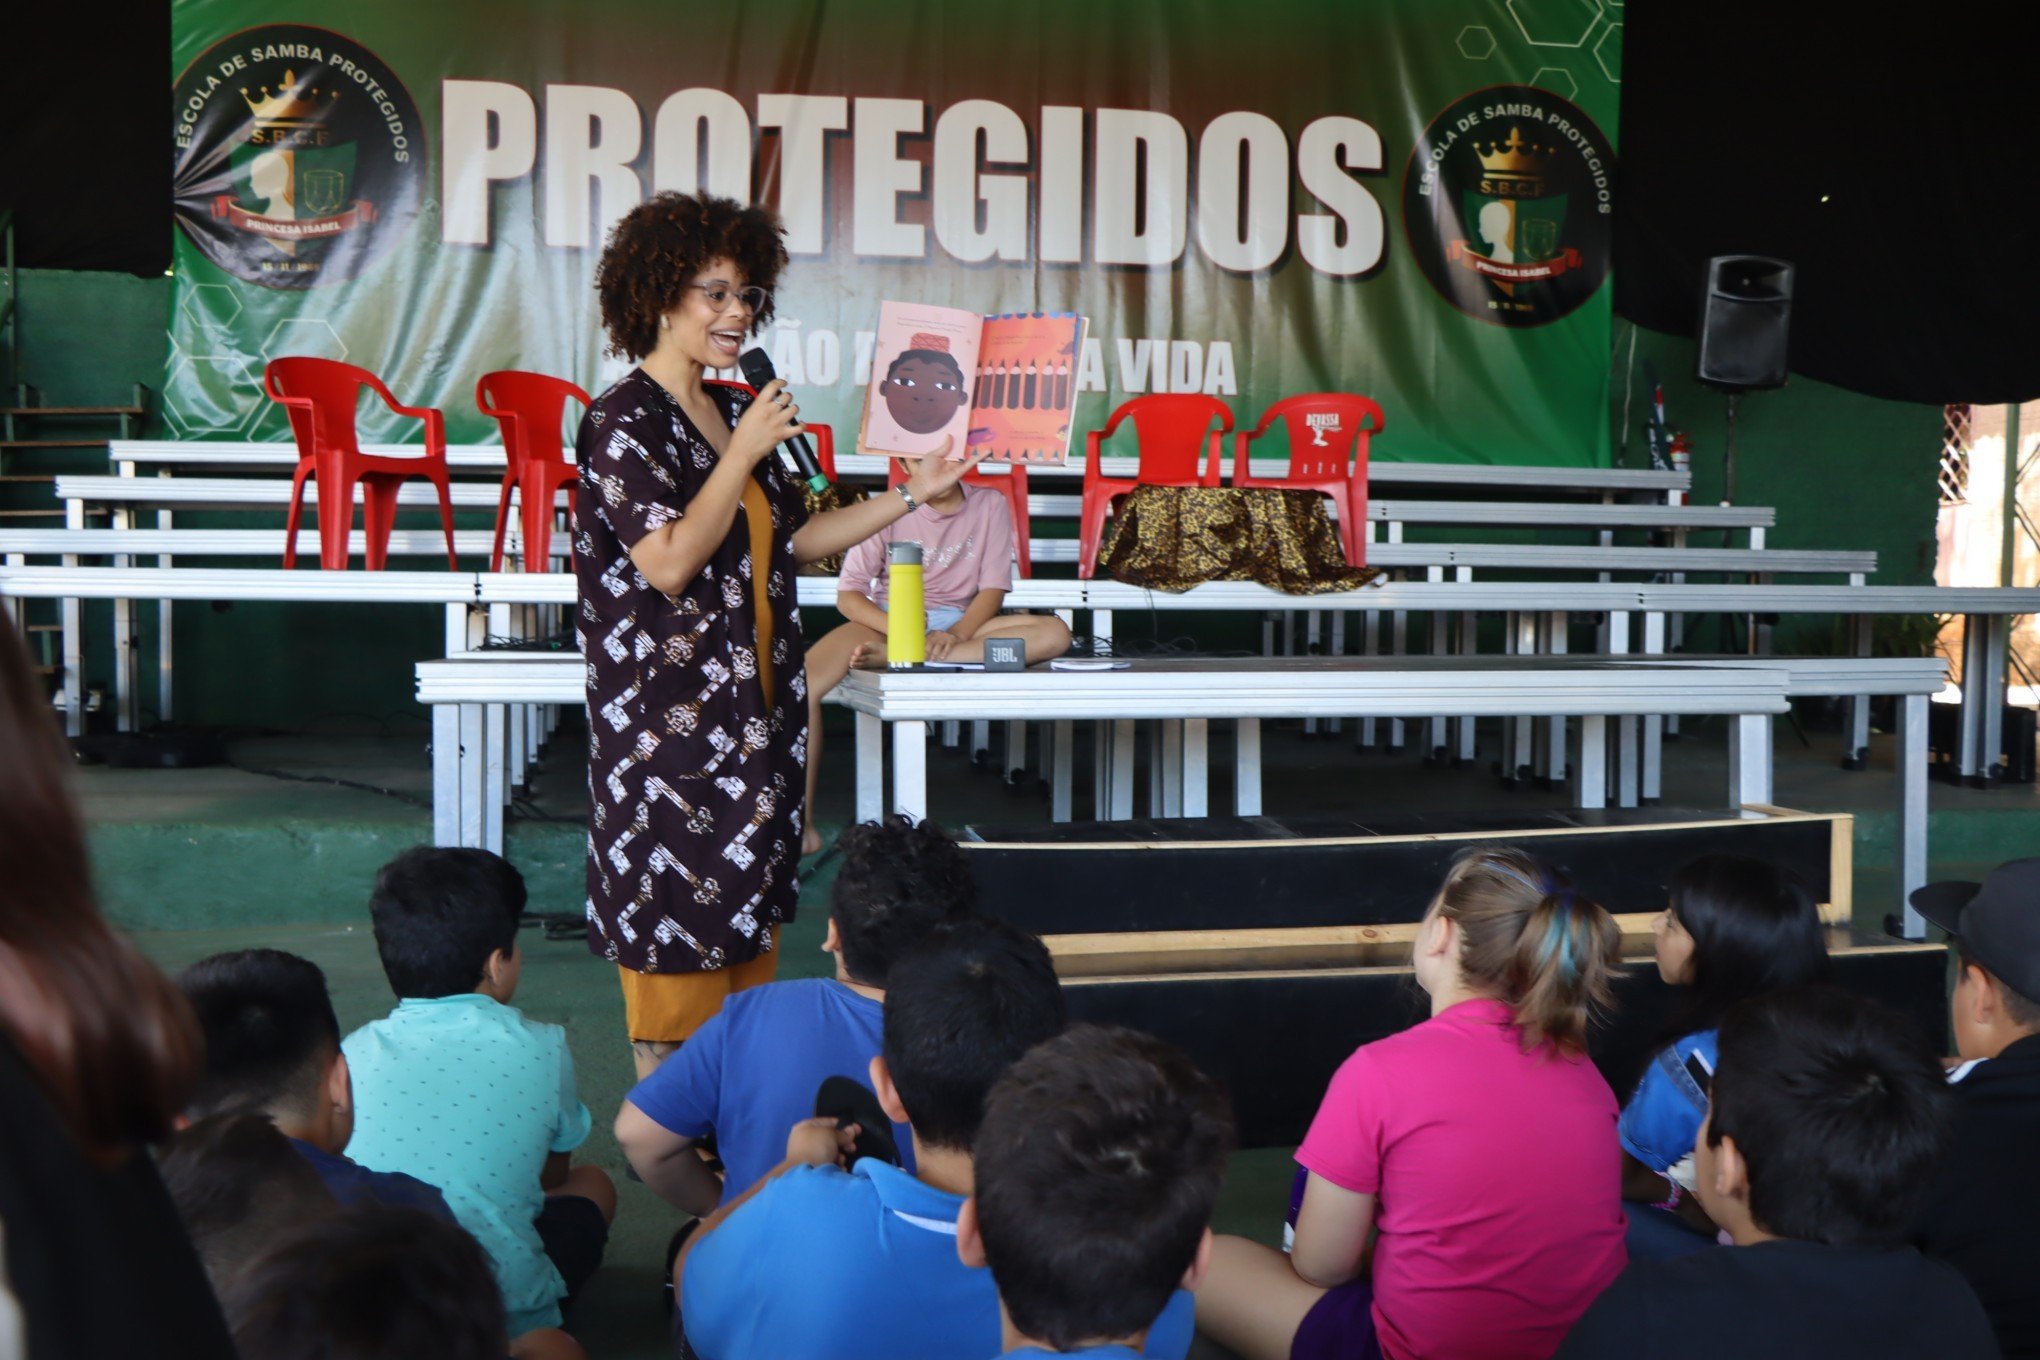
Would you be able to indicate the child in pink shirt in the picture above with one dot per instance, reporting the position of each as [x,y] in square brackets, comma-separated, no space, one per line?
[966,538]
[1464,1187]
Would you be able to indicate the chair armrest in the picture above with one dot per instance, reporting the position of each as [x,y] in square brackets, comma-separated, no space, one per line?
[1242,473]
[435,424]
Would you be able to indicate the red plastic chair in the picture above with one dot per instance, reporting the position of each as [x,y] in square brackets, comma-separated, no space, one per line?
[1012,486]
[320,396]
[1329,455]
[1169,429]
[823,437]
[528,407]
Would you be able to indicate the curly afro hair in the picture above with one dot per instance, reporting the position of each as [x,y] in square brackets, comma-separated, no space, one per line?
[658,247]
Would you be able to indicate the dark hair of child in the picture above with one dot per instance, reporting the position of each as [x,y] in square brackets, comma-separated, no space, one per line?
[655,250]
[439,913]
[959,1011]
[926,356]
[107,1037]
[1755,929]
[1530,940]
[239,1186]
[1096,1172]
[270,1031]
[898,880]
[1840,1110]
[2021,1010]
[369,1283]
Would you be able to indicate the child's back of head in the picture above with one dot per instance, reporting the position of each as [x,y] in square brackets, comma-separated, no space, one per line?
[1097,1168]
[239,1186]
[960,1010]
[270,1031]
[1528,939]
[440,913]
[369,1284]
[1755,929]
[898,881]
[1838,1109]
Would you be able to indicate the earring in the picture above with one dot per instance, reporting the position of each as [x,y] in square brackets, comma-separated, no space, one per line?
[665,323]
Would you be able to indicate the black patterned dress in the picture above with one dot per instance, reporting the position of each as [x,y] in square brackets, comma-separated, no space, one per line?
[695,772]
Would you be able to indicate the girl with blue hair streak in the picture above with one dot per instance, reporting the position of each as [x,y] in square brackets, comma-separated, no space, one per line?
[1462,1193]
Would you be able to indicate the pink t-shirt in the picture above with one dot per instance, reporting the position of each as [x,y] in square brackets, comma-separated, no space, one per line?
[1499,1181]
[965,551]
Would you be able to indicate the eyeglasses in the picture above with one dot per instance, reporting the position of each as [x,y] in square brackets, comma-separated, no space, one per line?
[719,295]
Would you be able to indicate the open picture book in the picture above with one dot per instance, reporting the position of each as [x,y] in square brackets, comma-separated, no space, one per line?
[1003,383]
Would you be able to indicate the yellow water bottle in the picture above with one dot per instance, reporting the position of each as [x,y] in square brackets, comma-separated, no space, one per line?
[906,609]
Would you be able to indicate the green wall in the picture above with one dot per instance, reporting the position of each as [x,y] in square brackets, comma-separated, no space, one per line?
[1844,471]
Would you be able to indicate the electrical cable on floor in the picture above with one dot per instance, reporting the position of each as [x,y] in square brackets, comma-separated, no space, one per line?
[286,775]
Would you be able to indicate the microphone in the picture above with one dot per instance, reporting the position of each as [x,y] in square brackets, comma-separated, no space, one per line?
[757,367]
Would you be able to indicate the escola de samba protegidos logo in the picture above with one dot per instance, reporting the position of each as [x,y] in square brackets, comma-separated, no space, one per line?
[1507,203]
[299,156]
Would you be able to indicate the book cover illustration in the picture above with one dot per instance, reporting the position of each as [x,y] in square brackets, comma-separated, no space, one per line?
[1003,383]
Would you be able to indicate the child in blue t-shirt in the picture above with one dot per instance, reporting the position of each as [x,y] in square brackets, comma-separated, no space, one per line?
[1735,927]
[1096,1170]
[752,1071]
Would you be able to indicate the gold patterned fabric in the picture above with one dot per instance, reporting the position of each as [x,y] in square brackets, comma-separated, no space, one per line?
[830,497]
[1173,537]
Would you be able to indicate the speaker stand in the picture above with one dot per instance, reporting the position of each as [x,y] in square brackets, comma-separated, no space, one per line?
[1728,455]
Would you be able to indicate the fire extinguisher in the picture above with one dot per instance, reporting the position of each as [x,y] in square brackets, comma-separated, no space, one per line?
[1681,453]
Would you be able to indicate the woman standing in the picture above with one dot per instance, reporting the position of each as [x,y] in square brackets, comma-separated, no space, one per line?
[688,534]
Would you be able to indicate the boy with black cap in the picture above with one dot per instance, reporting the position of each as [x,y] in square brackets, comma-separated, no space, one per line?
[1984,1215]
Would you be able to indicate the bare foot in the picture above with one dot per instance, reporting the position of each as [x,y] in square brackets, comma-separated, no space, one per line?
[810,841]
[866,656]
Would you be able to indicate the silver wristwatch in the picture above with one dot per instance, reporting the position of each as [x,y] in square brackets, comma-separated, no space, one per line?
[908,497]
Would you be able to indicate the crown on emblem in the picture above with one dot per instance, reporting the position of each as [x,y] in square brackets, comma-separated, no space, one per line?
[284,108]
[1514,157]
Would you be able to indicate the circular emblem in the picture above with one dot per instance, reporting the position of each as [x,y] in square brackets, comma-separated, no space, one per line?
[300,156]
[1507,205]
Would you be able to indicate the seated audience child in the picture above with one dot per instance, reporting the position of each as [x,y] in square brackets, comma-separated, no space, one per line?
[1983,1216]
[863,1261]
[966,538]
[1827,1122]
[272,1045]
[456,1087]
[751,1072]
[1096,1170]
[1735,927]
[239,1186]
[1464,1186]
[371,1283]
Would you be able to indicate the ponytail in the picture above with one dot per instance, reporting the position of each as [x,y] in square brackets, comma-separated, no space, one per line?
[1529,939]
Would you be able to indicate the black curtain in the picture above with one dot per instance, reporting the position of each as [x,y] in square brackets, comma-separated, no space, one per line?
[1887,151]
[85,134]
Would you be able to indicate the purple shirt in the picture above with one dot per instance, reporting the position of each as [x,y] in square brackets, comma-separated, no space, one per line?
[965,551]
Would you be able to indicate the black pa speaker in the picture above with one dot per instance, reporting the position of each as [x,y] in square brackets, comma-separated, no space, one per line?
[1744,317]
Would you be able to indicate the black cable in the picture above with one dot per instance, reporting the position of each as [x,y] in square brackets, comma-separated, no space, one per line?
[286,775]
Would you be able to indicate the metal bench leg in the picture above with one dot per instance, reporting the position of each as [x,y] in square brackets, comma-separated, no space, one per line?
[1556,643]
[1469,625]
[1313,625]
[1171,782]
[1399,643]
[1338,648]
[1061,761]
[1653,724]
[1749,760]
[1996,629]
[1122,770]
[1591,788]
[1196,767]
[446,810]
[1370,645]
[1912,807]
[910,768]
[1858,755]
[1247,768]
[1016,747]
[870,768]
[495,775]
[474,792]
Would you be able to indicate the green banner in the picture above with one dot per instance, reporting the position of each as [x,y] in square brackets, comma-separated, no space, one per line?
[1408,199]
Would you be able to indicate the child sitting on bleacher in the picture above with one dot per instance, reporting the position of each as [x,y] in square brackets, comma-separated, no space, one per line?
[752,1072]
[458,1088]
[1827,1121]
[1463,1195]
[1983,1217]
[1097,1168]
[1734,928]
[966,538]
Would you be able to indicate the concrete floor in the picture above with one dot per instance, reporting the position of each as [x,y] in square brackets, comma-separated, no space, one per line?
[273,853]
